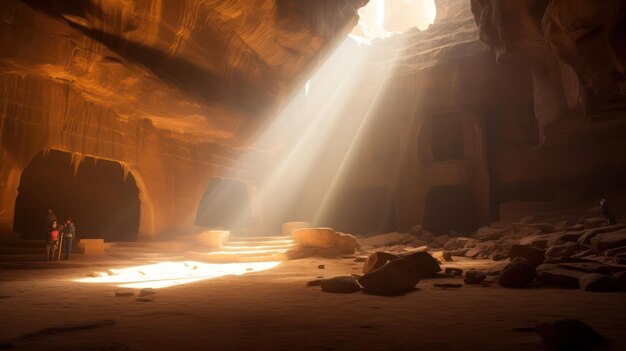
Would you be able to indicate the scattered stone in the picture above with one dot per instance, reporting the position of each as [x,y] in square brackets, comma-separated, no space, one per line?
[597,282]
[94,275]
[427,236]
[517,274]
[360,259]
[395,277]
[249,269]
[447,285]
[391,239]
[320,277]
[320,266]
[425,264]
[453,271]
[586,266]
[147,298]
[551,274]
[490,233]
[325,238]
[474,277]
[316,282]
[416,230]
[460,252]
[124,292]
[569,334]
[606,241]
[340,285]
[472,253]
[567,249]
[147,291]
[447,256]
[377,260]
[585,239]
[533,255]
[500,256]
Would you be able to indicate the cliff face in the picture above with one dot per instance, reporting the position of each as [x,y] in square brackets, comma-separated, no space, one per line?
[171,90]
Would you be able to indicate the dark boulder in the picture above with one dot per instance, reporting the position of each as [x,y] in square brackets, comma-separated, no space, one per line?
[340,285]
[425,264]
[395,277]
[474,277]
[534,256]
[597,282]
[517,274]
[377,260]
[569,334]
[551,274]
[606,241]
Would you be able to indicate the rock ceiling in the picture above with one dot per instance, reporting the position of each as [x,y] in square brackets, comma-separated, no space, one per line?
[199,68]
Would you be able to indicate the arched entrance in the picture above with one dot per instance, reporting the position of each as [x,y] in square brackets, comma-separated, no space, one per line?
[225,204]
[101,200]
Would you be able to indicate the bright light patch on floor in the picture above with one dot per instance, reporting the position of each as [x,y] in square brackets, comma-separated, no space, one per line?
[166,274]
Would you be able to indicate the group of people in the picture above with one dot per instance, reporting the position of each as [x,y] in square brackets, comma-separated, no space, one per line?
[57,234]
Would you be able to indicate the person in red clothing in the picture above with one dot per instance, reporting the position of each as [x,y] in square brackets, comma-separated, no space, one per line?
[53,242]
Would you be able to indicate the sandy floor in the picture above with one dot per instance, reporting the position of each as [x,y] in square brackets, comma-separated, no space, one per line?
[274,310]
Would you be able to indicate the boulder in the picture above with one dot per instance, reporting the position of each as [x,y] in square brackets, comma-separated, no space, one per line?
[490,233]
[395,277]
[458,243]
[597,282]
[427,236]
[533,255]
[325,238]
[585,239]
[439,241]
[340,285]
[473,252]
[453,271]
[377,260]
[565,250]
[551,274]
[517,274]
[416,230]
[606,241]
[124,292]
[569,334]
[425,264]
[291,226]
[346,243]
[391,239]
[474,277]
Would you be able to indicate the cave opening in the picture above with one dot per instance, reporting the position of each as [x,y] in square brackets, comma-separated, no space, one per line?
[450,208]
[102,201]
[225,204]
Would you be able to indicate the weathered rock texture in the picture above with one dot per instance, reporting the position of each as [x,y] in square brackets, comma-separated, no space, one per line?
[169,89]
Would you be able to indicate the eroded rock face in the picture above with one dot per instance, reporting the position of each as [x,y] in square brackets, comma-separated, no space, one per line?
[577,46]
[169,89]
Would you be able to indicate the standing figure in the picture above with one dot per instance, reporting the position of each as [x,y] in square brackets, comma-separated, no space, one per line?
[47,223]
[606,212]
[53,241]
[69,232]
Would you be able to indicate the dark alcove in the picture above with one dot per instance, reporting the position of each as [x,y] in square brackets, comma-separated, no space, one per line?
[101,201]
